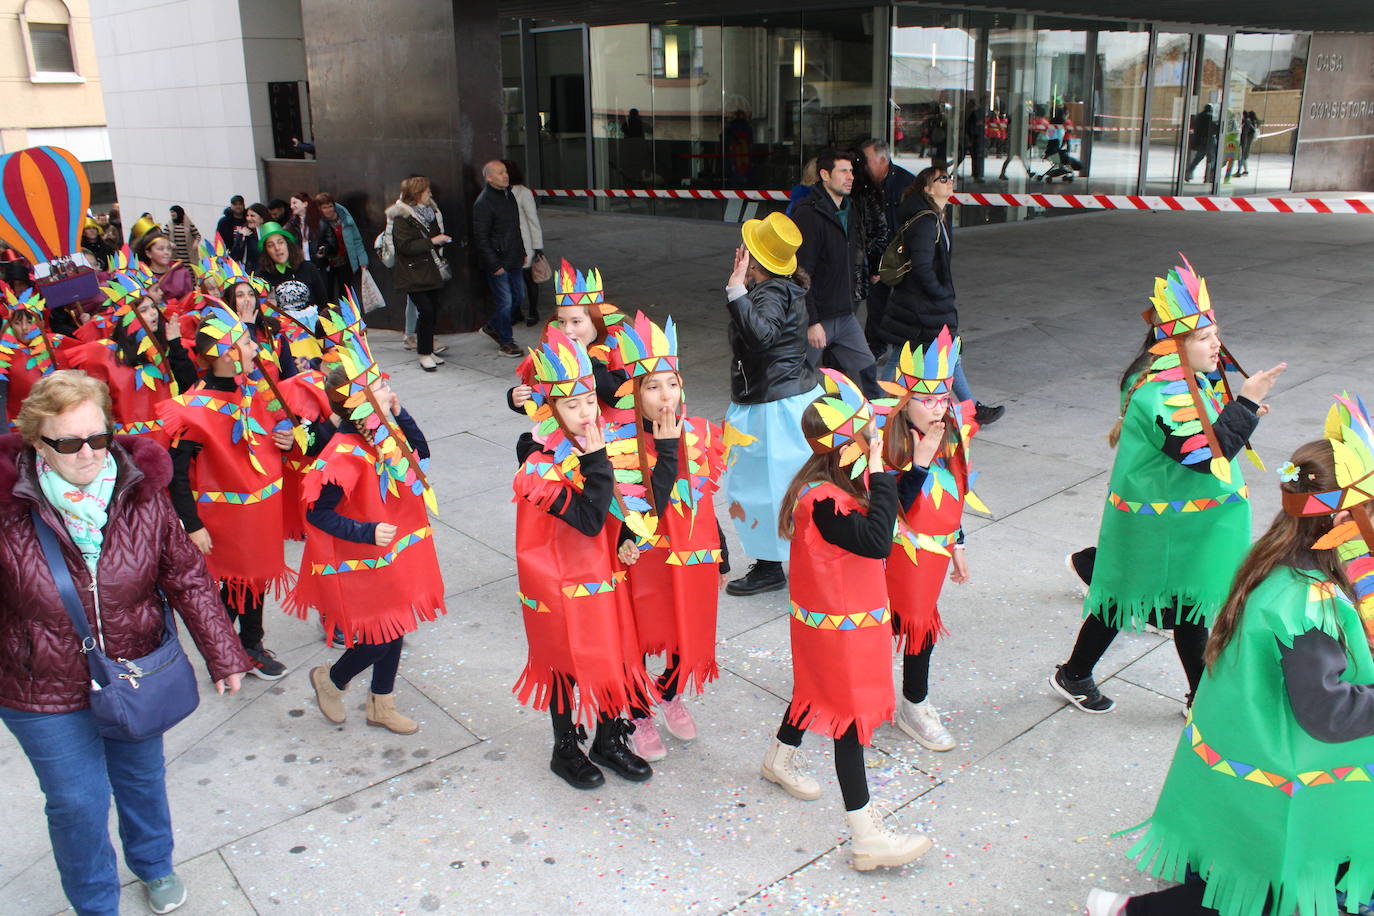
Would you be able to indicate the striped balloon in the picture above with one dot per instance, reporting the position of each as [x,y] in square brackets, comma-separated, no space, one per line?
[44,195]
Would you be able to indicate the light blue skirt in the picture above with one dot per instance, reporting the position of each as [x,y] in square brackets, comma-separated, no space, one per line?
[758,474]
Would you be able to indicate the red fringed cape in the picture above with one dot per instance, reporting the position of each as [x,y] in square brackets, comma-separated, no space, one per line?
[675,584]
[305,396]
[578,620]
[916,569]
[371,594]
[239,505]
[21,377]
[841,628]
[135,406]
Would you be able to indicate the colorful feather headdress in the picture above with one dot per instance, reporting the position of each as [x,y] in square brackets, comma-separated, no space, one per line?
[231,273]
[641,349]
[572,287]
[845,412]
[1349,432]
[35,338]
[1179,306]
[210,258]
[396,463]
[222,328]
[926,370]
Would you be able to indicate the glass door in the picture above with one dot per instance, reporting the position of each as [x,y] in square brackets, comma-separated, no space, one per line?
[560,94]
[1170,82]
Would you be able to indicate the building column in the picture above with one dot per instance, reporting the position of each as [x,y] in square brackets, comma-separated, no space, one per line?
[407,87]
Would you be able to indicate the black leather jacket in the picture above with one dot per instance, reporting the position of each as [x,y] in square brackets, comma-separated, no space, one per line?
[768,340]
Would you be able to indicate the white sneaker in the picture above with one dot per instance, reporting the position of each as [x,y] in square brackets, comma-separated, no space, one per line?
[921,721]
[1106,903]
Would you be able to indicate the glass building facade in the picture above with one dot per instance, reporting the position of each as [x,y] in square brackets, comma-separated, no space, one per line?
[744,103]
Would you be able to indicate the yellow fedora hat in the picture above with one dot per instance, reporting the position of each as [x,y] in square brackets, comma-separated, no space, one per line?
[773,241]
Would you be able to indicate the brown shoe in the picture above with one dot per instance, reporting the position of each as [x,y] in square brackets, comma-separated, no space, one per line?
[381,712]
[329,697]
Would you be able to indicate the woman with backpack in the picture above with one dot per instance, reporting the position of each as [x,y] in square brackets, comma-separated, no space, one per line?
[918,267]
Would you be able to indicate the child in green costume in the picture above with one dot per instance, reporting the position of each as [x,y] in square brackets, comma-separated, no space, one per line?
[1177,519]
[1267,804]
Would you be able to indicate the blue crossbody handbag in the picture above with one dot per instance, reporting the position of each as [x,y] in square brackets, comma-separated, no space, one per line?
[131,699]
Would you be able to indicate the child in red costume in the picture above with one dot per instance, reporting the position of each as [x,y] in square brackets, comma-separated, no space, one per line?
[927,438]
[671,535]
[584,662]
[838,513]
[28,350]
[227,477]
[369,565]
[143,361]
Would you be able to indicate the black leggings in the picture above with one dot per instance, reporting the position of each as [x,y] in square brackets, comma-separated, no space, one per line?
[248,616]
[383,659]
[426,314]
[561,711]
[849,761]
[1190,641]
[667,685]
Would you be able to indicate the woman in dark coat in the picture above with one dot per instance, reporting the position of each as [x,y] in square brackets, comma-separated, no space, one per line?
[417,231]
[109,507]
[924,302]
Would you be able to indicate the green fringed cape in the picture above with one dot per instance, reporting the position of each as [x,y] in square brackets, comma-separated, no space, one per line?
[1171,537]
[1252,802]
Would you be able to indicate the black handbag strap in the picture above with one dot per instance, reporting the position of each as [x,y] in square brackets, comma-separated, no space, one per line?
[62,577]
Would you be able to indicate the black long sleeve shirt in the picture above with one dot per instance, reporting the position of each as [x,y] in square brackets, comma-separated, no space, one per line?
[1328,708]
[1233,427]
[866,535]
[587,511]
[324,515]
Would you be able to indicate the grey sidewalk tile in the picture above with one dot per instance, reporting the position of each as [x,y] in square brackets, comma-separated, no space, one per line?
[1027,831]
[705,832]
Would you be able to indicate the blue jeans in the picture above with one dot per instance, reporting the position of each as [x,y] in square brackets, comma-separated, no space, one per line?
[77,769]
[412,316]
[507,294]
[962,392]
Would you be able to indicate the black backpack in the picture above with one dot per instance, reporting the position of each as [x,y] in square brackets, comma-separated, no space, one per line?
[895,262]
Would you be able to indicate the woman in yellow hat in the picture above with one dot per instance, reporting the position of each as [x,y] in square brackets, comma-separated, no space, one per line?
[93,240]
[771,383]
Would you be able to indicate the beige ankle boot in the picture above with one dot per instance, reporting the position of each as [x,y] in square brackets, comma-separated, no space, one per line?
[381,712]
[875,844]
[329,697]
[780,766]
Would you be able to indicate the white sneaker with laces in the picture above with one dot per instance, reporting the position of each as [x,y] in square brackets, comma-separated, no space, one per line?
[921,721]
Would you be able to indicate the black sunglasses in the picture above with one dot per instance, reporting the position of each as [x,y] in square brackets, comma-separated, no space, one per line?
[70,445]
[945,178]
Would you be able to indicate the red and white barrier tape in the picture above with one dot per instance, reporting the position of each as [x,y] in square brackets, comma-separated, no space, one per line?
[1053,201]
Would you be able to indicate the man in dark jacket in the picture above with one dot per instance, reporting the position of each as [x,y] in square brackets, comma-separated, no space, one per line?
[832,244]
[234,222]
[890,183]
[1202,142]
[501,251]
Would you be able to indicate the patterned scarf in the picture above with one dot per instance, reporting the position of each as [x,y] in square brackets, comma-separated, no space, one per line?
[83,509]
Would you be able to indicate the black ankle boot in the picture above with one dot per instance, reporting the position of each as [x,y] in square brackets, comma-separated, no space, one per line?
[763,576]
[610,748]
[570,764]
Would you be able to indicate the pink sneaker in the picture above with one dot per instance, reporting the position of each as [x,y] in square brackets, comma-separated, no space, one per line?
[678,720]
[647,743]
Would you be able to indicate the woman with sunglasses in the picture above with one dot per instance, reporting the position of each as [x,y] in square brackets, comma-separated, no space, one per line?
[105,497]
[926,437]
[923,302]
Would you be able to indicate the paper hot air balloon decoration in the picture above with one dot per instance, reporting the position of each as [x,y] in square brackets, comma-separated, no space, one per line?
[44,196]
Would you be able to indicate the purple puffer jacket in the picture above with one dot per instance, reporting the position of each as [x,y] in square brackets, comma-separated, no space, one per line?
[41,667]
